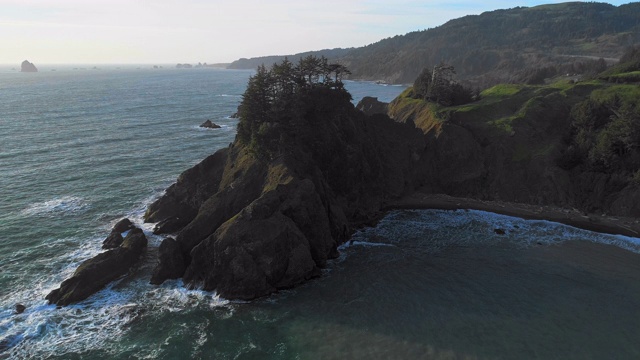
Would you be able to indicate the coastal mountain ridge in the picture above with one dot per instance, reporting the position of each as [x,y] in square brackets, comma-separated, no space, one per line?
[503,46]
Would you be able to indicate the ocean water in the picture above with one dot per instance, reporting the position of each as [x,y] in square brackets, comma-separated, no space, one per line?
[80,149]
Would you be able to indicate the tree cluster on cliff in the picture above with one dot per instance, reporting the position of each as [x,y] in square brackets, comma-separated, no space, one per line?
[439,85]
[605,128]
[272,109]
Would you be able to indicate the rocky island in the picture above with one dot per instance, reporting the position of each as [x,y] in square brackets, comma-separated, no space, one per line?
[307,168]
[26,66]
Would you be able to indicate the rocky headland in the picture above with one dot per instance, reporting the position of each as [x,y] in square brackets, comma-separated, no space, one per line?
[249,222]
[307,168]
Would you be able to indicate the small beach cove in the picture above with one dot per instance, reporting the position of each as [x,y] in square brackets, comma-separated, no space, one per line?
[602,223]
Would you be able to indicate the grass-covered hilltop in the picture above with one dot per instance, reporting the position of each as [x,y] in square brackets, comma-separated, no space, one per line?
[569,143]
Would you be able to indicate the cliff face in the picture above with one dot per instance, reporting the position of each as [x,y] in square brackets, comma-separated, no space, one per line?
[513,145]
[253,225]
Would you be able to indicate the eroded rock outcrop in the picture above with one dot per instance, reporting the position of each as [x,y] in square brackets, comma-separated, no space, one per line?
[209,125]
[26,66]
[95,273]
[115,239]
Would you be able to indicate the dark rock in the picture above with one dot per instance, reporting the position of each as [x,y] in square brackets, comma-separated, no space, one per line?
[26,66]
[171,262]
[278,241]
[371,106]
[115,237]
[234,115]
[114,240]
[169,225]
[194,186]
[20,308]
[95,273]
[122,226]
[209,125]
[499,231]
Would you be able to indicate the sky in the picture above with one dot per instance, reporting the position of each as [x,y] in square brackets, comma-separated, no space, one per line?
[212,31]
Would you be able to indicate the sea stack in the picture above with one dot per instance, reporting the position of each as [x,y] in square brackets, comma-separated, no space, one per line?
[26,66]
[209,125]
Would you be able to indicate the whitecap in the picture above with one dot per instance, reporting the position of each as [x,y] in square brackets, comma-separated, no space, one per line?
[434,230]
[349,244]
[65,205]
[172,296]
[44,330]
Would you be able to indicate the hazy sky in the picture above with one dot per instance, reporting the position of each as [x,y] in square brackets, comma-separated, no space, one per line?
[172,31]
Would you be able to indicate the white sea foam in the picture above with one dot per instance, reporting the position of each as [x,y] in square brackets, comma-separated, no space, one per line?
[349,244]
[58,206]
[95,322]
[439,229]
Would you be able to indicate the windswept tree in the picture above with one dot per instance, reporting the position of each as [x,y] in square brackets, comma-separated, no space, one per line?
[439,85]
[256,103]
[268,109]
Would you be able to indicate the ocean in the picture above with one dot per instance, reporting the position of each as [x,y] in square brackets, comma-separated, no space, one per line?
[80,148]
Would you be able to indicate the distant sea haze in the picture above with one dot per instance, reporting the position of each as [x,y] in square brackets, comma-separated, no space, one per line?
[80,149]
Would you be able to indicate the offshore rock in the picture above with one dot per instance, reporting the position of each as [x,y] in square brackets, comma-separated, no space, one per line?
[20,308]
[209,125]
[115,239]
[26,66]
[95,273]
[122,226]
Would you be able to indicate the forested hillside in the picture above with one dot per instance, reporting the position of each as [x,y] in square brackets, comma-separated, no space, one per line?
[515,45]
[253,63]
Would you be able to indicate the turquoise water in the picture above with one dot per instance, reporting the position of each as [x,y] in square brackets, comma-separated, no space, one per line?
[81,149]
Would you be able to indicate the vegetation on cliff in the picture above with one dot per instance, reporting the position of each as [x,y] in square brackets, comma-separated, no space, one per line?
[573,144]
[274,104]
[440,86]
[518,45]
